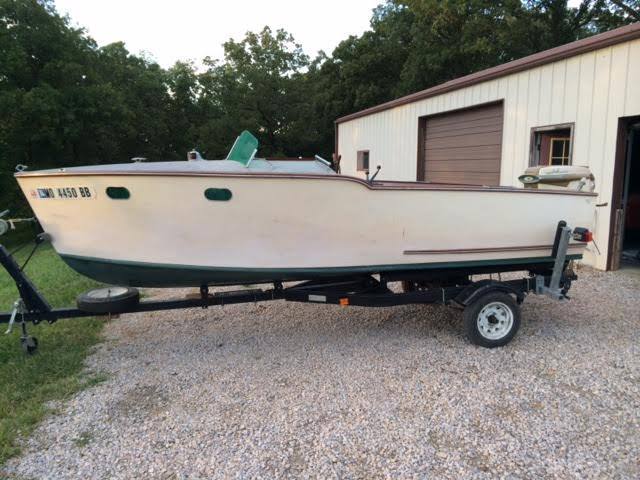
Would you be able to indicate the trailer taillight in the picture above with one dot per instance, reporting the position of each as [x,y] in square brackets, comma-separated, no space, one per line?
[582,234]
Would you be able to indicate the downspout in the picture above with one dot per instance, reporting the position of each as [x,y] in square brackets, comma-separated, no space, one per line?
[336,153]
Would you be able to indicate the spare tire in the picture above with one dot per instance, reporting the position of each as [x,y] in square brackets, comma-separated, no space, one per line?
[111,299]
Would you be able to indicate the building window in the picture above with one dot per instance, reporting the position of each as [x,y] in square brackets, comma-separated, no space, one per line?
[552,145]
[559,151]
[363,160]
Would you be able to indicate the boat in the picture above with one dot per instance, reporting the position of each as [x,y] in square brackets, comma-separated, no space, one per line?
[246,220]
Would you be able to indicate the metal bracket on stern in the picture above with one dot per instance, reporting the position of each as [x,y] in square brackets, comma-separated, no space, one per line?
[560,279]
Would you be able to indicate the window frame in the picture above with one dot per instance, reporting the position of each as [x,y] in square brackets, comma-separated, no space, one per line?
[360,161]
[565,140]
[535,162]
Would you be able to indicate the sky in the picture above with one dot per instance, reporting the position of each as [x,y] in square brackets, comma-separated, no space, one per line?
[168,31]
[192,29]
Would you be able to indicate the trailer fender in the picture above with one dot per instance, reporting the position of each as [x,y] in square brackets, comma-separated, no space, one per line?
[478,289]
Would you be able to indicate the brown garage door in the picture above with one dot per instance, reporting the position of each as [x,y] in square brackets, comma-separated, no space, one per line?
[462,146]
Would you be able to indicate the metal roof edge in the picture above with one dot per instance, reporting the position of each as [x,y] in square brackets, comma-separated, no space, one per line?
[585,45]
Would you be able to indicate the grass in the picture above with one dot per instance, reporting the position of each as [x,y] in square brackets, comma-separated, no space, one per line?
[28,383]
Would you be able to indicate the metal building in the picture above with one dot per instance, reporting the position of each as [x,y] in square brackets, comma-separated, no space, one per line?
[577,104]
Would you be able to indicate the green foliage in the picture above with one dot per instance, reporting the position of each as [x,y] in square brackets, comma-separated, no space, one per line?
[66,101]
[417,44]
[259,86]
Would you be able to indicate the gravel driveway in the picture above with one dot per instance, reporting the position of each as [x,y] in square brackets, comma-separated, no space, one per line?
[298,390]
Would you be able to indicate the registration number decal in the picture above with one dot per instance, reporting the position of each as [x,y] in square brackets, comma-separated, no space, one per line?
[68,193]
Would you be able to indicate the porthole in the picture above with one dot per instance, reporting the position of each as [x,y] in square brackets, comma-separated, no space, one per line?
[218,194]
[118,193]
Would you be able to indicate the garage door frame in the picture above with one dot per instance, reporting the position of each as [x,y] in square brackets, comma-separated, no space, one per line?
[422,124]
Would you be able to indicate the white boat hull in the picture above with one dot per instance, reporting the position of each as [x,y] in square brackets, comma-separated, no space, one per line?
[286,227]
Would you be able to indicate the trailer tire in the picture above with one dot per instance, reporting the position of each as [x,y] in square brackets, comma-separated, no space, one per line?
[109,300]
[492,320]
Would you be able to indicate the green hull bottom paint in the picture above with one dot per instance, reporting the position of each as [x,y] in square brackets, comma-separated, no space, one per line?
[140,274]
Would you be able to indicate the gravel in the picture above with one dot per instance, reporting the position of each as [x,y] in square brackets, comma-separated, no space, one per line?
[299,390]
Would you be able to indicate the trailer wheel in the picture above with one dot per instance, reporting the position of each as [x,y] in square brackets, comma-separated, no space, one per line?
[109,300]
[492,320]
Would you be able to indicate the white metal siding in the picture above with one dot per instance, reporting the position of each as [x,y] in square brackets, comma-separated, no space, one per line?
[593,90]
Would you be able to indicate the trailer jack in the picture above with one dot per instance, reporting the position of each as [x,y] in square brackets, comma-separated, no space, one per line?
[29,344]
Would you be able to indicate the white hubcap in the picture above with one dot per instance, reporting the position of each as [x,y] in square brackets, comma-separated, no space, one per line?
[107,292]
[495,321]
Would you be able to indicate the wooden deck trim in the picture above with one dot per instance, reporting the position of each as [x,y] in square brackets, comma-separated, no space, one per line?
[488,250]
[382,185]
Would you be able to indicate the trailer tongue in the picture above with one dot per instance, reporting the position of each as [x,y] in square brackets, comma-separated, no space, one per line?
[490,307]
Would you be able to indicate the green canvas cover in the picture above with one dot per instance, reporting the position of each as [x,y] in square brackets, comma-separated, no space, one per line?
[244,148]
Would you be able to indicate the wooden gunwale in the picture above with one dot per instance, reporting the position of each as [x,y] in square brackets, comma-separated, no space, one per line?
[381,185]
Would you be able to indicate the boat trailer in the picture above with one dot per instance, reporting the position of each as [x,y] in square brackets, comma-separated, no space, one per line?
[490,307]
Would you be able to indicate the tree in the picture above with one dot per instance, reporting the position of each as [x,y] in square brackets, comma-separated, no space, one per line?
[66,101]
[603,15]
[629,10]
[257,87]
[183,109]
[416,44]
[37,50]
